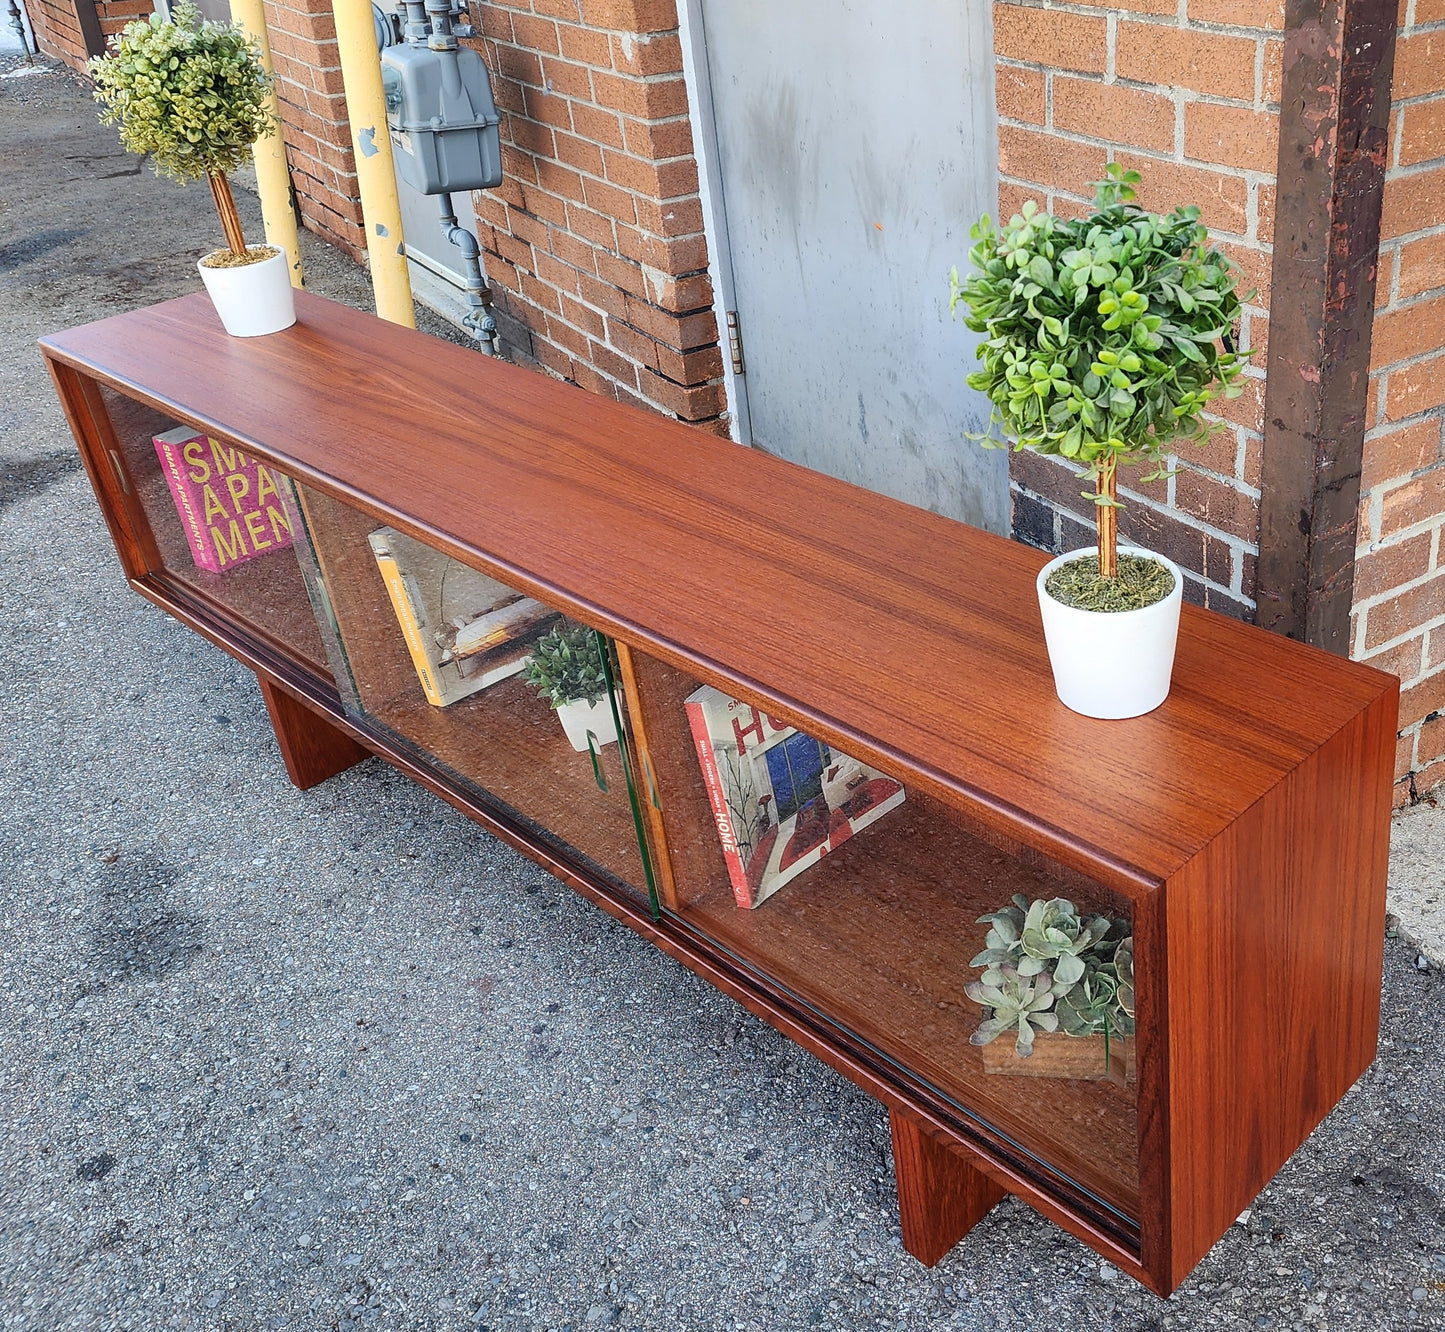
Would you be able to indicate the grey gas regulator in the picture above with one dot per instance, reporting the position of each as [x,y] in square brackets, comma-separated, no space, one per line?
[439,106]
[443,123]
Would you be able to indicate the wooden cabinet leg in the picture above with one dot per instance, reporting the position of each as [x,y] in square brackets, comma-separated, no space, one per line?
[940,1196]
[311,747]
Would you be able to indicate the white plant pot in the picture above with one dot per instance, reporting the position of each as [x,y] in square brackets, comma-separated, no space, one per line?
[580,716]
[1111,664]
[254,299]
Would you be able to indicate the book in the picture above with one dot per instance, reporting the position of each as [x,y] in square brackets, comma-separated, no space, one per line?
[227,501]
[781,799]
[464,630]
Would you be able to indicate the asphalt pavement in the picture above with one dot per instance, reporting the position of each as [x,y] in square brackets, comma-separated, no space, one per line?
[341,1060]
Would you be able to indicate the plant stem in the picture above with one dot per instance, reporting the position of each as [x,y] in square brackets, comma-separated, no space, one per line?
[1106,485]
[226,207]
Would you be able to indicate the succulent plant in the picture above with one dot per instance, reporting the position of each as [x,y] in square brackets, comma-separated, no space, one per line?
[1003,944]
[1124,969]
[1102,1002]
[1047,968]
[1086,1009]
[1018,1002]
[1039,936]
[1054,933]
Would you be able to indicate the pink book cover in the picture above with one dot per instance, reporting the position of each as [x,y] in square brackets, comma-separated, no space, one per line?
[227,501]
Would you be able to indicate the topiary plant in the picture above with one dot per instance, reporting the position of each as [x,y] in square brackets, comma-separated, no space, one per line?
[190,95]
[1106,336]
[566,666]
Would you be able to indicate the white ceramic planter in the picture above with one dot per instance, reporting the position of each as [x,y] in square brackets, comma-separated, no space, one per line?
[580,716]
[1111,664]
[254,299]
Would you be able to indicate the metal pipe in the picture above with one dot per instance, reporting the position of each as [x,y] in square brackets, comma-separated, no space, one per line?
[479,297]
[440,13]
[273,177]
[417,26]
[17,21]
[375,175]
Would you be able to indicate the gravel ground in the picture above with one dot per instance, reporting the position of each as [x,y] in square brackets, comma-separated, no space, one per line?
[340,1060]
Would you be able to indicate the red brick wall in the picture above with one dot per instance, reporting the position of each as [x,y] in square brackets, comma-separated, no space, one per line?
[57,30]
[594,242]
[1189,96]
[1399,595]
[57,27]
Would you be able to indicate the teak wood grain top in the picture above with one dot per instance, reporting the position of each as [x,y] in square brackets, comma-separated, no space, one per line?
[911,634]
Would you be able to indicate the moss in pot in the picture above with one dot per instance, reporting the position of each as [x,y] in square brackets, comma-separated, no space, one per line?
[1106,337]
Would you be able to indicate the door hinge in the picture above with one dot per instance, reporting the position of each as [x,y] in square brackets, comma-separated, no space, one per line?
[735,342]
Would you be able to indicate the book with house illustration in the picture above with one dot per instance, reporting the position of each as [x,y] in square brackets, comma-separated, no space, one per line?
[464,630]
[781,799]
[227,501]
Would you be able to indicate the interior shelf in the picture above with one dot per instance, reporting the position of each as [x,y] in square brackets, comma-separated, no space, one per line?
[878,936]
[503,741]
[265,595]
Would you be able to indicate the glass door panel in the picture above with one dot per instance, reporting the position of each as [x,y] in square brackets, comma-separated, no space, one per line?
[866,904]
[220,526]
[440,655]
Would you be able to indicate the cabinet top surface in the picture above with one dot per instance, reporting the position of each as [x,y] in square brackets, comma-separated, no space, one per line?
[912,633]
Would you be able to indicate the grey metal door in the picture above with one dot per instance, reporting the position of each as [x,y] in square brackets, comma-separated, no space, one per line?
[855,146]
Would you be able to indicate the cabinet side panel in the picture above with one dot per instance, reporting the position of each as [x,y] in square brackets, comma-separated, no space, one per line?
[1276,937]
[95,440]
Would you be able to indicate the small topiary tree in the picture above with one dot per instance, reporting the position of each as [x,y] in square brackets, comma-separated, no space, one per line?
[566,666]
[1106,336]
[190,95]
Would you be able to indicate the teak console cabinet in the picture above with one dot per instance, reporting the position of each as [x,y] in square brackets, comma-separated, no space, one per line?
[1241,830]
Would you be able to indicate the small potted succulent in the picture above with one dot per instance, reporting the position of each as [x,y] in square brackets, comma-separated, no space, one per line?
[1106,338]
[191,95]
[1063,985]
[566,670]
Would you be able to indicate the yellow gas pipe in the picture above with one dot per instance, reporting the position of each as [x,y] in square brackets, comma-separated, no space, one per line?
[273,180]
[380,208]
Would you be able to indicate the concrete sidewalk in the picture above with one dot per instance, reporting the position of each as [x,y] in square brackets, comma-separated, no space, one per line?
[1417,878]
[340,1060]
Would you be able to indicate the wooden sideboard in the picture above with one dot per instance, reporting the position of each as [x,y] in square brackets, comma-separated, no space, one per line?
[1241,829]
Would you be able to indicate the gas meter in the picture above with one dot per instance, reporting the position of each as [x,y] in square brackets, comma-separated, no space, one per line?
[439,108]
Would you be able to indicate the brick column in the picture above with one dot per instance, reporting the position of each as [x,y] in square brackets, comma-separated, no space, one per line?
[66,28]
[314,123]
[1190,98]
[1398,613]
[56,25]
[594,242]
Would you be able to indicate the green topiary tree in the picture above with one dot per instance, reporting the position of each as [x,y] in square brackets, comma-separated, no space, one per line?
[566,666]
[1106,336]
[190,95]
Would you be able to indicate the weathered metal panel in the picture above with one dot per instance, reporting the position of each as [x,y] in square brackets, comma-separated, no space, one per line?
[1338,67]
[856,145]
